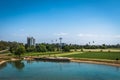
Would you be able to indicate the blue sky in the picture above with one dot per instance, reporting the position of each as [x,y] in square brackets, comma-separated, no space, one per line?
[77,21]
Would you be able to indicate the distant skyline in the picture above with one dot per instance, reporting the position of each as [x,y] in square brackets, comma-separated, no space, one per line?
[76,21]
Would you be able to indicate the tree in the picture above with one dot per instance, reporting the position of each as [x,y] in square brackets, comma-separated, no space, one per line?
[82,50]
[41,48]
[20,50]
[103,46]
[13,46]
[31,49]
[66,48]
[50,47]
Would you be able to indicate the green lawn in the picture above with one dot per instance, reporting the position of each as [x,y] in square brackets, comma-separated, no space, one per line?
[78,55]
[40,53]
[88,55]
[51,54]
[96,55]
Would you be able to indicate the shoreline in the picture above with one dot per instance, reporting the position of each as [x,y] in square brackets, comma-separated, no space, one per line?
[1,62]
[97,62]
[91,61]
[12,59]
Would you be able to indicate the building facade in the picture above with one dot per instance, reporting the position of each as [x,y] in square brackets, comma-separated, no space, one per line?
[30,41]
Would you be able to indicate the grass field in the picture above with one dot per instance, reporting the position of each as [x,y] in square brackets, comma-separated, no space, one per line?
[96,55]
[87,54]
[49,54]
[99,50]
[39,53]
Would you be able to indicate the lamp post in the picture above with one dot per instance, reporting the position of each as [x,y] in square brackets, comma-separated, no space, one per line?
[60,43]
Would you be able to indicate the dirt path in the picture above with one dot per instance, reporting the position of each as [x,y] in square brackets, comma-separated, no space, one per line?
[111,63]
[4,50]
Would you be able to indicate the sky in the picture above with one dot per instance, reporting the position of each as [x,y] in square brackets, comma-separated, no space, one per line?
[76,21]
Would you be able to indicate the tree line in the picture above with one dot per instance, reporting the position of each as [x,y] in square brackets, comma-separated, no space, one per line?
[42,47]
[18,48]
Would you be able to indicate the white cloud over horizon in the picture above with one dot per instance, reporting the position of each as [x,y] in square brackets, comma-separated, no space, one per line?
[97,36]
[61,34]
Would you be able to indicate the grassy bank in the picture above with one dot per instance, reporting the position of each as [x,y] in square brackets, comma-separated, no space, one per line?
[77,55]
[88,55]
[51,54]
[96,55]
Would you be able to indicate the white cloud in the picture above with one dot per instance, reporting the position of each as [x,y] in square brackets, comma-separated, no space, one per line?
[98,36]
[87,35]
[61,34]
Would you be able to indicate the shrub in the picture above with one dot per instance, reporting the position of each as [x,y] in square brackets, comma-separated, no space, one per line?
[101,50]
[82,50]
[109,51]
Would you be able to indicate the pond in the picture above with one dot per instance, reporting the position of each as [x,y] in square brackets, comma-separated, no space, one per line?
[40,70]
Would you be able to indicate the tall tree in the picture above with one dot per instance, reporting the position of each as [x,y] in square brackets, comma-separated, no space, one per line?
[66,48]
[41,48]
[20,50]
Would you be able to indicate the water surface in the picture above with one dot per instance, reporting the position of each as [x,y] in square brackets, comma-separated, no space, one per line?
[39,70]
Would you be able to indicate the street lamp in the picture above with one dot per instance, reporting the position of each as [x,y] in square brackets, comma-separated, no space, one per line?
[60,43]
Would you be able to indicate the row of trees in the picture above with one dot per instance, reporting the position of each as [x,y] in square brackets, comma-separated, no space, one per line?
[19,48]
[53,47]
[44,47]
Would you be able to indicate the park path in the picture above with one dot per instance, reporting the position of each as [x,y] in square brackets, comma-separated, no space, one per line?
[4,50]
[65,54]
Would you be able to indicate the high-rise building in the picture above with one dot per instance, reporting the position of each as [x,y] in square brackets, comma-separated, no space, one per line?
[30,41]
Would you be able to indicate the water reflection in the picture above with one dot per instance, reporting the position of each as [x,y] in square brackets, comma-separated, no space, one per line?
[18,64]
[29,61]
[117,68]
[60,66]
[3,66]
